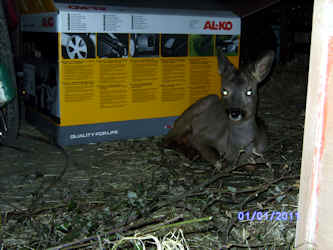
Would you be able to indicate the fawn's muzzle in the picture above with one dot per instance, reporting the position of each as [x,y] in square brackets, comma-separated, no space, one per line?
[235,114]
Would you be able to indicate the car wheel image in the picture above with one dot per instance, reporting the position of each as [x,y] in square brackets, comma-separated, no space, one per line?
[78,47]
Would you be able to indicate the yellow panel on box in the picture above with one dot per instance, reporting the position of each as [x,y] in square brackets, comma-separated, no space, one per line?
[78,95]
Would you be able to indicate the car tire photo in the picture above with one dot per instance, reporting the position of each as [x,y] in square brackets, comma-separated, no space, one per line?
[78,47]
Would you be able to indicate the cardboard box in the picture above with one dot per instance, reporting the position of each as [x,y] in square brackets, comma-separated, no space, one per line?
[96,73]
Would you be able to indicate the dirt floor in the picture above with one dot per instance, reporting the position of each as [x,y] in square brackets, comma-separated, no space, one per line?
[136,192]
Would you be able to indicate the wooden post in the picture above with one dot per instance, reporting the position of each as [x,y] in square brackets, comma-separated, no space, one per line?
[315,223]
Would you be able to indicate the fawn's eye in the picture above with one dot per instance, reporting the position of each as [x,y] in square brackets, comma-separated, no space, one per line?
[225,92]
[249,92]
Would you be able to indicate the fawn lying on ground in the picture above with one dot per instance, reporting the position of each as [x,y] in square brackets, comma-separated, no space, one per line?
[226,127]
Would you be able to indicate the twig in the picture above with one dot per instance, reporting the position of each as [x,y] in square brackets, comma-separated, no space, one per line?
[264,188]
[249,246]
[194,190]
[171,221]
[55,181]
[276,196]
[160,227]
[113,231]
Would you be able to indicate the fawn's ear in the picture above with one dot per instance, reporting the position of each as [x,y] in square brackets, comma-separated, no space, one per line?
[225,67]
[261,68]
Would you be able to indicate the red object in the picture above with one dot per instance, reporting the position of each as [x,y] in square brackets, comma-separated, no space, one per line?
[13,19]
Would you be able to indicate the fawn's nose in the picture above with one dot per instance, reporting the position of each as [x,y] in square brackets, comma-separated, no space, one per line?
[235,114]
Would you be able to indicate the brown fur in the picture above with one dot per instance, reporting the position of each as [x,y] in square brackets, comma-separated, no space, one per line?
[224,127]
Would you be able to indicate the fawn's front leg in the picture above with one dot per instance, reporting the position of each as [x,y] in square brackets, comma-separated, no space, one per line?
[207,152]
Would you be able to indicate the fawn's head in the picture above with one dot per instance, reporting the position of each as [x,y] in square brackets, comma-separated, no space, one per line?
[239,87]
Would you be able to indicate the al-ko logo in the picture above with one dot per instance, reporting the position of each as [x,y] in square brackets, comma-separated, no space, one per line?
[82,7]
[221,25]
[48,22]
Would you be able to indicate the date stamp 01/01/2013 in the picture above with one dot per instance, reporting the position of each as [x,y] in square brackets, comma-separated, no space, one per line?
[269,216]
